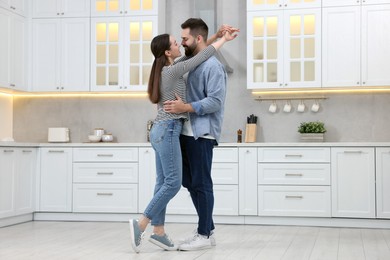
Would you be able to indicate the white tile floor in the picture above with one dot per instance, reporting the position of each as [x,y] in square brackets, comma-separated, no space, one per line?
[110,240]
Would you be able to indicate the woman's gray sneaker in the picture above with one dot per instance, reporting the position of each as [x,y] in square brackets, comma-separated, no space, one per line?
[136,235]
[163,241]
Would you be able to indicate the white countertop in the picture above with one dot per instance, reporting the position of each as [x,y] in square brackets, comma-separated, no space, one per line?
[259,144]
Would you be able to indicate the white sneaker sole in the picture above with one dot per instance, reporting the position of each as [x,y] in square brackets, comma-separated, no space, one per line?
[133,245]
[184,248]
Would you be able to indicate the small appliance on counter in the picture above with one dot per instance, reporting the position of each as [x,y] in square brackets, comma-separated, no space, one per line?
[58,135]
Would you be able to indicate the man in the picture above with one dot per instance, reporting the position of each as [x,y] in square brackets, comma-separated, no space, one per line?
[206,91]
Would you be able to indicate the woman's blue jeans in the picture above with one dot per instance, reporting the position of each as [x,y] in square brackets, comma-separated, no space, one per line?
[164,137]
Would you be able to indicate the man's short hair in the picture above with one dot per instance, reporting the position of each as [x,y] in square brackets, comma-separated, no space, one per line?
[197,27]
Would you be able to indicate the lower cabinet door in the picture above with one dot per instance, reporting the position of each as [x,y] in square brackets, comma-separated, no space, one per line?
[300,201]
[105,198]
[225,201]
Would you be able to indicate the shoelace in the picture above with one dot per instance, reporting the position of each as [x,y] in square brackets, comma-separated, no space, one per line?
[140,238]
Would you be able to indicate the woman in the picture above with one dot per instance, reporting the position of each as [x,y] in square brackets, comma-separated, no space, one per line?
[166,80]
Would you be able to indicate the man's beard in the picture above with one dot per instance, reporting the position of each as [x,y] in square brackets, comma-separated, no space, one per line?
[189,50]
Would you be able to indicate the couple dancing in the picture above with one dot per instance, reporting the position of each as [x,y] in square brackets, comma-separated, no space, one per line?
[185,131]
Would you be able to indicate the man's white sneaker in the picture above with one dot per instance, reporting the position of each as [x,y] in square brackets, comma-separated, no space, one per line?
[190,237]
[198,242]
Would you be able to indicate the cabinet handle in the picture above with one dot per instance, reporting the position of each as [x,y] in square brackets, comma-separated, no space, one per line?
[293,174]
[353,151]
[58,13]
[293,155]
[125,12]
[56,151]
[105,173]
[105,155]
[293,197]
[12,85]
[121,12]
[8,151]
[13,7]
[364,82]
[26,151]
[62,13]
[104,193]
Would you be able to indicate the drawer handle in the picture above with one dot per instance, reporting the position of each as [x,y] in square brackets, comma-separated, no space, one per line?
[8,151]
[56,151]
[293,197]
[293,155]
[105,155]
[104,193]
[105,173]
[293,174]
[353,151]
[26,151]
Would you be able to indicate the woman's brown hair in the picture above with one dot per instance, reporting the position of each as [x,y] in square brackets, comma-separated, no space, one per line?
[159,45]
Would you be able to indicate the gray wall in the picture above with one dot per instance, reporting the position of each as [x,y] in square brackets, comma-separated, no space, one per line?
[352,117]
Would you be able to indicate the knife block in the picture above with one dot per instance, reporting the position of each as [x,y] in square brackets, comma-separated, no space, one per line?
[250,133]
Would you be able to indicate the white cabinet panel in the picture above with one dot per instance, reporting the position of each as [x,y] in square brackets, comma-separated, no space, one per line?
[61,54]
[7,180]
[315,154]
[147,176]
[105,172]
[13,51]
[224,173]
[105,154]
[383,182]
[253,5]
[124,7]
[353,182]
[247,180]
[105,198]
[56,180]
[60,8]
[303,201]
[16,6]
[341,34]
[294,174]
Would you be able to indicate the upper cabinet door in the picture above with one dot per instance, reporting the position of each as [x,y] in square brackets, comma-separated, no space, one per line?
[341,46]
[375,45]
[5,25]
[123,7]
[61,8]
[302,49]
[255,5]
[265,49]
[15,6]
[327,3]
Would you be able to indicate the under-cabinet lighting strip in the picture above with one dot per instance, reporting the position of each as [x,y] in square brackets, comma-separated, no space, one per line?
[283,92]
[59,95]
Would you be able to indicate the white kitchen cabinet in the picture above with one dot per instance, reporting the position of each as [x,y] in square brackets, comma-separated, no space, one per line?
[355,46]
[105,180]
[147,178]
[60,8]
[327,3]
[294,181]
[19,7]
[7,181]
[284,48]
[383,182]
[247,181]
[256,5]
[224,172]
[61,54]
[55,180]
[13,50]
[25,180]
[17,181]
[353,182]
[124,7]
[121,59]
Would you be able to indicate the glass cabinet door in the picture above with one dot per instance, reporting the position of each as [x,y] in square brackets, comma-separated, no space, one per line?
[265,49]
[106,54]
[302,50]
[139,32]
[123,7]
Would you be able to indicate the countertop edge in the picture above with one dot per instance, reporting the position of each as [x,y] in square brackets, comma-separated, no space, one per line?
[259,144]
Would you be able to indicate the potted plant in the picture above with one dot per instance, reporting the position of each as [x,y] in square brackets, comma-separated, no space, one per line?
[312,131]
